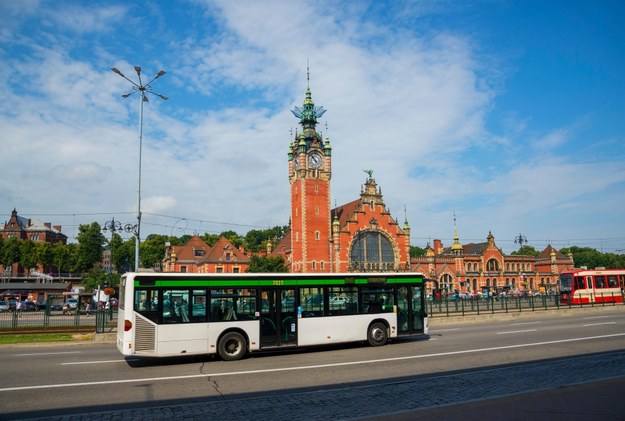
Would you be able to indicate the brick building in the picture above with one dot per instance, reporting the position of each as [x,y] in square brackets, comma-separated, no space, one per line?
[479,267]
[358,236]
[33,230]
[198,257]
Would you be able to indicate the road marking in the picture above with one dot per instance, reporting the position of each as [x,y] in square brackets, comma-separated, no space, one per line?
[525,323]
[516,331]
[101,362]
[36,354]
[309,367]
[444,330]
[599,324]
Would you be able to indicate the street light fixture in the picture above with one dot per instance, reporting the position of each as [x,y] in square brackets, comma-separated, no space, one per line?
[143,90]
[520,240]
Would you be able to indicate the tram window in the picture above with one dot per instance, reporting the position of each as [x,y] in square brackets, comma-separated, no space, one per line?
[578,283]
[311,300]
[600,282]
[612,282]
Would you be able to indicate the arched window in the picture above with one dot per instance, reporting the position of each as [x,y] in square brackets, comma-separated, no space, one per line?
[492,265]
[371,251]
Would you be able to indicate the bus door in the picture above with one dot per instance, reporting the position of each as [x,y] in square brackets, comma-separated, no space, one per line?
[278,317]
[409,309]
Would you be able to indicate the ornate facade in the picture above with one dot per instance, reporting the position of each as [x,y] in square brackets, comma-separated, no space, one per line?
[358,236]
[484,267]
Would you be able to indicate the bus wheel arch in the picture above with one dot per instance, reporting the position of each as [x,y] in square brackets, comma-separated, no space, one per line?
[232,345]
[377,333]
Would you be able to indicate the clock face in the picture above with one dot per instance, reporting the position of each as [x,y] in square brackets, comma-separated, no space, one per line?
[314,160]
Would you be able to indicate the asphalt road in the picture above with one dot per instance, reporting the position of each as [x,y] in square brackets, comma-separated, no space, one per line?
[497,364]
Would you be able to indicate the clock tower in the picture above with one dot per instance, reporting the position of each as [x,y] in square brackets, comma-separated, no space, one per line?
[309,175]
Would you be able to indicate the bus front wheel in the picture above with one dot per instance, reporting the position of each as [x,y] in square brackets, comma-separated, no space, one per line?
[377,335]
[231,346]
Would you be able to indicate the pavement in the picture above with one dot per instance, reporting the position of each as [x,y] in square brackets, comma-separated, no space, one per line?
[565,393]
[580,388]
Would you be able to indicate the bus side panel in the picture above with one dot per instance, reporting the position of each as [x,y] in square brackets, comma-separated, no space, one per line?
[182,338]
[250,327]
[331,330]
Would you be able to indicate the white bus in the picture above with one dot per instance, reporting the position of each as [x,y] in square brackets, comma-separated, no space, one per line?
[168,314]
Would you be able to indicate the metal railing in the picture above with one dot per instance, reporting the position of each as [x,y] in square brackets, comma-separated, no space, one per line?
[511,303]
[47,320]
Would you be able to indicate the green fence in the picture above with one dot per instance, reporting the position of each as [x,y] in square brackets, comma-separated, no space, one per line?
[52,319]
[507,304]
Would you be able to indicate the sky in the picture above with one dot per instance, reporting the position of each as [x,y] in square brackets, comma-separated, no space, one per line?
[482,116]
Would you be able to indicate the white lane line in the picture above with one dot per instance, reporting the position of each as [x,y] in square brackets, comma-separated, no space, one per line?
[309,367]
[100,362]
[525,323]
[516,331]
[36,354]
[599,324]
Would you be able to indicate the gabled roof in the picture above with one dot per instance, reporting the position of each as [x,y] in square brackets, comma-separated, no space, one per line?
[194,250]
[344,212]
[218,251]
[546,253]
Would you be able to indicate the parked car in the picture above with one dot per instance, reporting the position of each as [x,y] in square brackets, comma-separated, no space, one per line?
[42,305]
[73,303]
[4,306]
[56,306]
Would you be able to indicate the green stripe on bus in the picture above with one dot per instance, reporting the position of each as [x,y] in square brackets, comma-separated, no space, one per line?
[242,283]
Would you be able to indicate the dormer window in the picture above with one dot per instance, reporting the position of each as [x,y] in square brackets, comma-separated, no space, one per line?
[199,252]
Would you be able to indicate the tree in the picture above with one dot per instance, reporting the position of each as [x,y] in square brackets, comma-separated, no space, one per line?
[416,251]
[28,257]
[63,257]
[11,251]
[525,251]
[90,245]
[153,250]
[265,264]
[95,277]
[43,254]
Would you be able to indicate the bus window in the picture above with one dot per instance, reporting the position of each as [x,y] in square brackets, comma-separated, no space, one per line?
[343,300]
[377,300]
[175,306]
[146,302]
[198,305]
[232,304]
[311,301]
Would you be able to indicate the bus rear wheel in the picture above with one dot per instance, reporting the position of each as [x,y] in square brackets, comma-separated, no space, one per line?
[377,335]
[231,346]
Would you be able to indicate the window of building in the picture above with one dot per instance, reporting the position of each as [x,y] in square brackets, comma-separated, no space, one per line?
[317,235]
[219,270]
[371,251]
[183,269]
[492,265]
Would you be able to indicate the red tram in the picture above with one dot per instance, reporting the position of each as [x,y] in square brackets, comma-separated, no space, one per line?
[586,286]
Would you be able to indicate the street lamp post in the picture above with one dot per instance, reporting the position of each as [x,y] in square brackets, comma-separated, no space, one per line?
[143,90]
[520,240]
